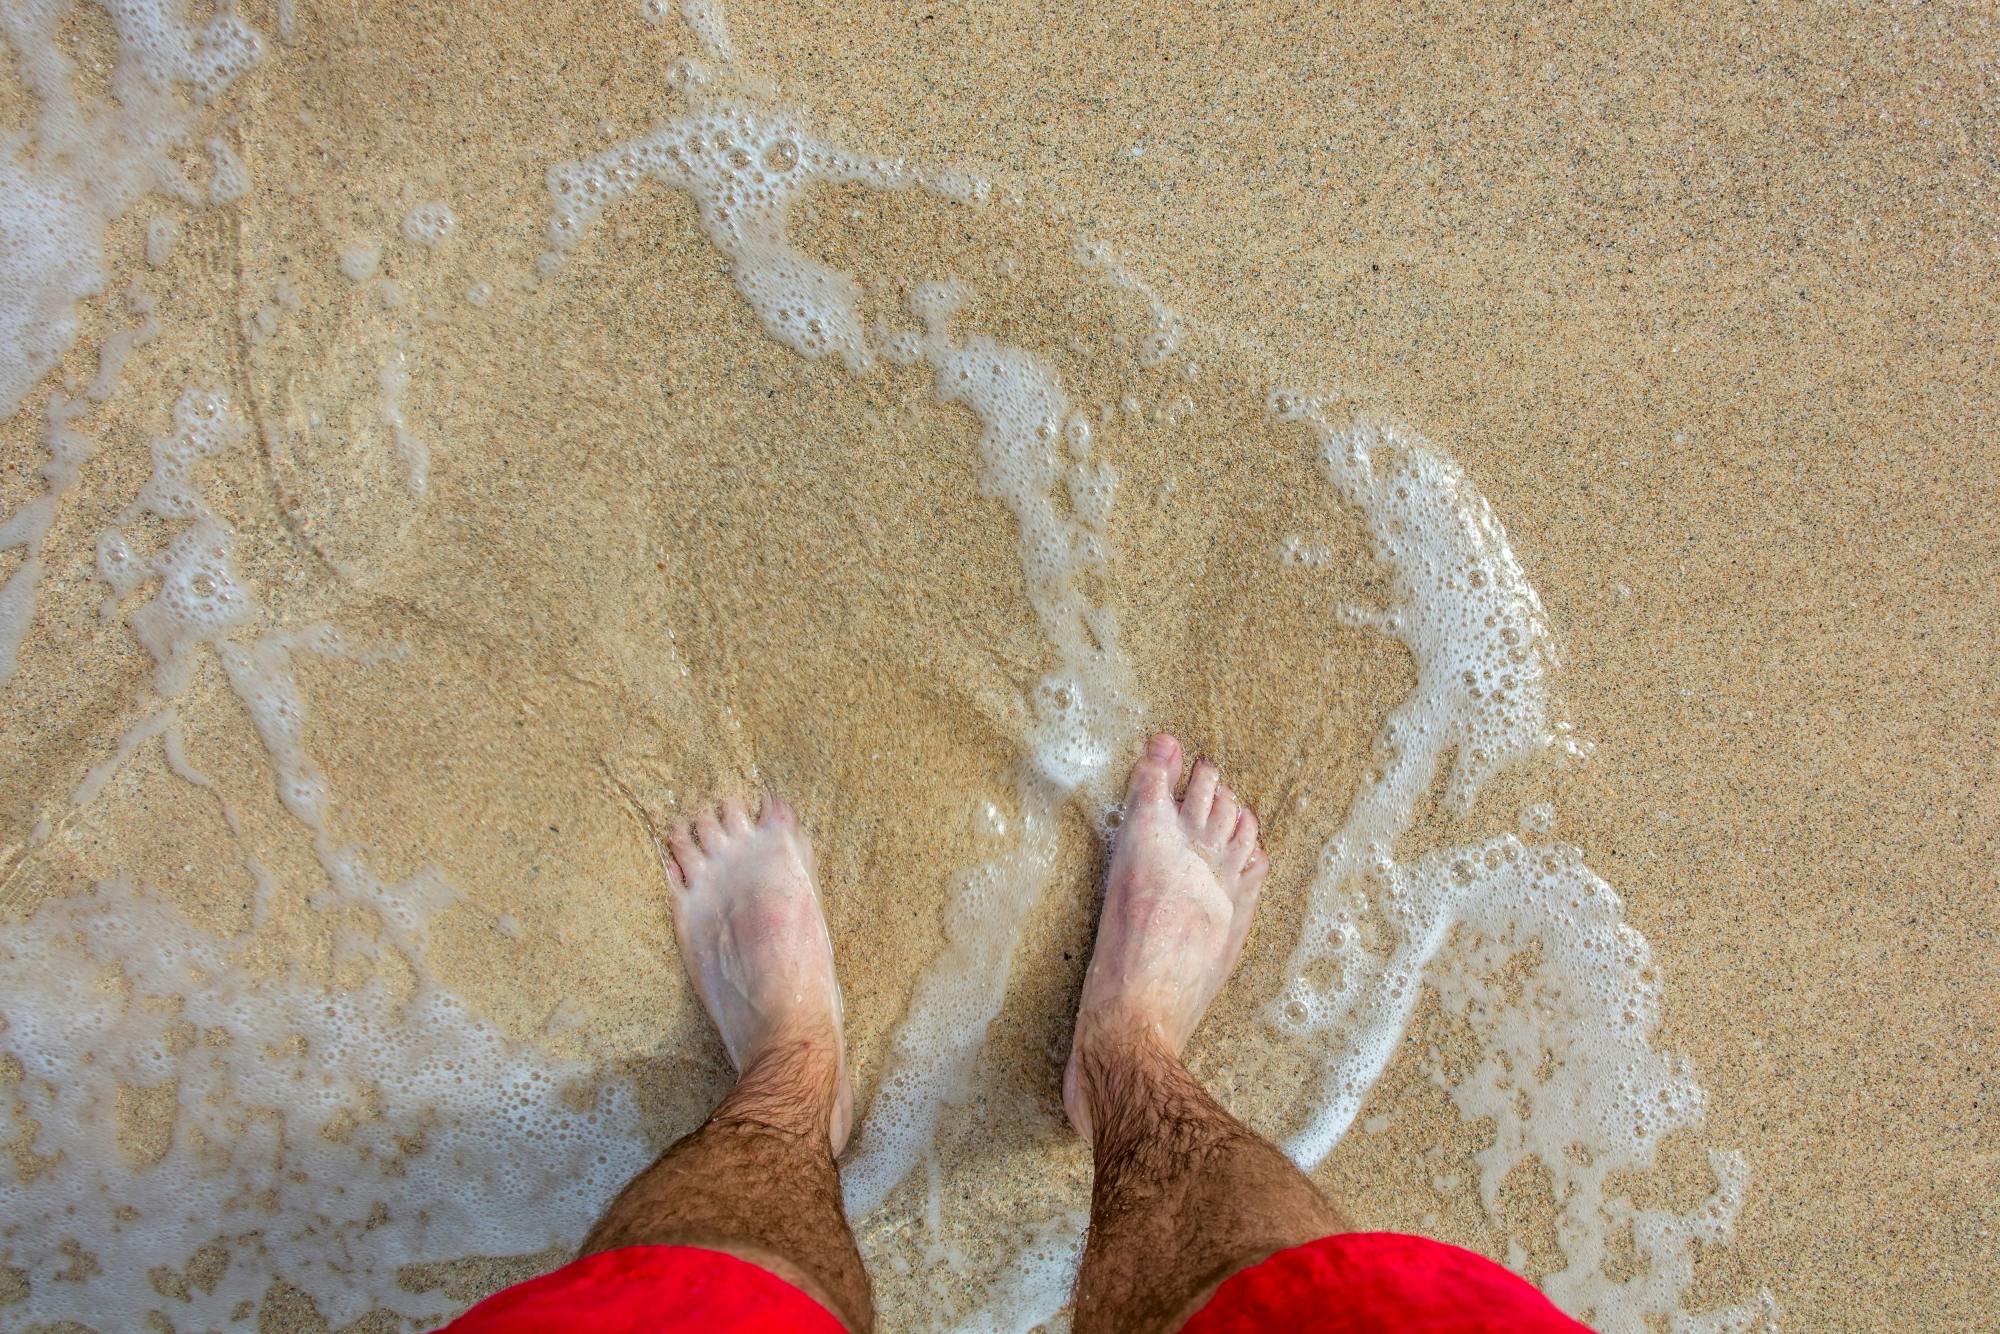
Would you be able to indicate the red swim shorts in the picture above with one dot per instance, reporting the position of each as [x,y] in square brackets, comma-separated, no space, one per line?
[1354,1283]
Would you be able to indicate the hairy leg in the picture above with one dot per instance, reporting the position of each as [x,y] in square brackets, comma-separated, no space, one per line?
[757,1180]
[1185,1195]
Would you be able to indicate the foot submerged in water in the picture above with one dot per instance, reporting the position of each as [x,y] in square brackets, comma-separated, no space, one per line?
[753,938]
[1178,900]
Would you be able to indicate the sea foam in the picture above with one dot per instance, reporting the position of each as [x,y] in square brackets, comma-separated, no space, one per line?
[86,162]
[1460,603]
[746,165]
[329,1135]
[322,1134]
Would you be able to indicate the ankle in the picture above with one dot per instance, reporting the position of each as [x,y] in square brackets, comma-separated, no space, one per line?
[1118,1034]
[1115,1058]
[791,1087]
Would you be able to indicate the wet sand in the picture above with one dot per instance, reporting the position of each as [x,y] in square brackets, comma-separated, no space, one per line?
[1700,301]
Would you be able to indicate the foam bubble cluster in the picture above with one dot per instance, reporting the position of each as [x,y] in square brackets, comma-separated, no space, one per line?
[322,1134]
[27,528]
[1567,1074]
[429,224]
[200,596]
[1084,711]
[746,165]
[309,1121]
[90,159]
[415,451]
[1037,1286]
[1473,625]
[86,162]
[51,257]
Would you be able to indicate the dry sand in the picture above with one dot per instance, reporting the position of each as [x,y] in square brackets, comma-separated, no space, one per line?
[1701,299]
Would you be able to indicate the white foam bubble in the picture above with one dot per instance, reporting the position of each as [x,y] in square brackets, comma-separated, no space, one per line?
[325,1135]
[1567,1075]
[359,262]
[51,256]
[161,234]
[1297,550]
[710,27]
[430,224]
[90,159]
[746,164]
[308,1124]
[200,597]
[416,453]
[1037,1286]
[230,179]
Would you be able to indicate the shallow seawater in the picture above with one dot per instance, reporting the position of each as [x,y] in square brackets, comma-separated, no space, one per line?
[433,498]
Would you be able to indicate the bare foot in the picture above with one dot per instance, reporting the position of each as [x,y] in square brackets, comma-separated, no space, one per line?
[1177,903]
[754,941]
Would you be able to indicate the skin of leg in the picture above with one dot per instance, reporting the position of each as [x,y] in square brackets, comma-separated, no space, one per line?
[757,1180]
[1185,1195]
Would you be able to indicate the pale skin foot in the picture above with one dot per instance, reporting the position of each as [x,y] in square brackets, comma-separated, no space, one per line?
[757,1179]
[754,941]
[1184,1194]
[1178,899]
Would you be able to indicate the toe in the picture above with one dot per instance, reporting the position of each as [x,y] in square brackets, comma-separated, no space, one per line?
[1156,772]
[1246,830]
[777,811]
[1222,813]
[1241,849]
[1252,879]
[735,819]
[686,858]
[1243,888]
[708,831]
[1200,794]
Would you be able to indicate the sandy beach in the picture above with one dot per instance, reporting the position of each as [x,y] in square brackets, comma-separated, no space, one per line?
[1701,301]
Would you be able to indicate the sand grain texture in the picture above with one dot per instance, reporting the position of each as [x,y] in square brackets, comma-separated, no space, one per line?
[1702,299]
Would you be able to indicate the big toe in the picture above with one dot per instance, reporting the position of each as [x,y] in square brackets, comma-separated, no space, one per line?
[1155,772]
